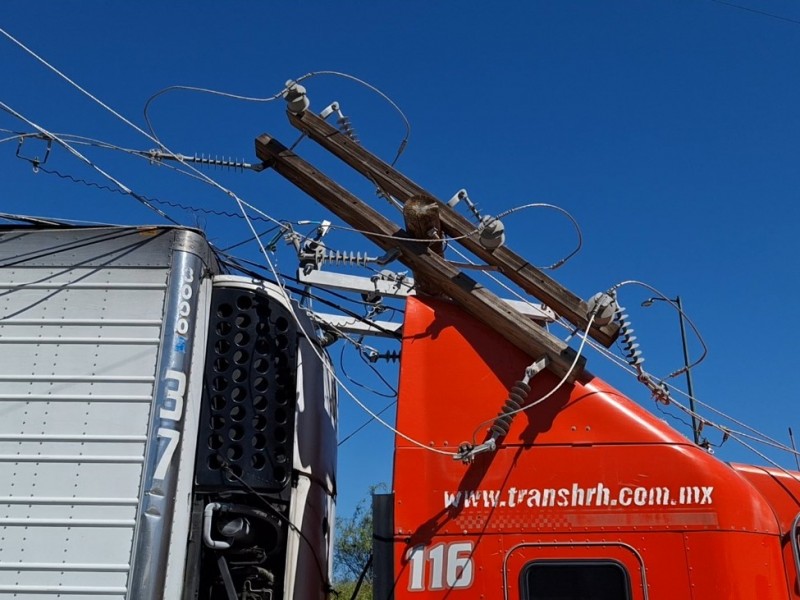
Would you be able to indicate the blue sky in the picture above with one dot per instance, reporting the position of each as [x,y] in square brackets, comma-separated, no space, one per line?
[668,128]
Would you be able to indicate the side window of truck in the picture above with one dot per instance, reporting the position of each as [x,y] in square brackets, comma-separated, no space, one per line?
[575,580]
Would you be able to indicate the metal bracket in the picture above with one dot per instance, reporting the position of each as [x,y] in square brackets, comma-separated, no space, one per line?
[513,404]
[467,452]
[35,161]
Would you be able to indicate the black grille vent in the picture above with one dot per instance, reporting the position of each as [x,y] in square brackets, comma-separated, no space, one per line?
[247,418]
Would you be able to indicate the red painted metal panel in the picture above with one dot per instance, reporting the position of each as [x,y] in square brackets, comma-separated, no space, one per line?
[735,566]
[782,490]
[588,466]
[456,373]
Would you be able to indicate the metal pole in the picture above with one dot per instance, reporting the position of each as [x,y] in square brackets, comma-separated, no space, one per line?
[689,387]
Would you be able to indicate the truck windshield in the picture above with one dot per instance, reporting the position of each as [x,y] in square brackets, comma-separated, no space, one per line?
[575,580]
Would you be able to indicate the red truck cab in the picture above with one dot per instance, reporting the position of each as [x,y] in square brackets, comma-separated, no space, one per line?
[588,496]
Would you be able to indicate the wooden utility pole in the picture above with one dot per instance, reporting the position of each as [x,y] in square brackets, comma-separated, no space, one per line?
[463,290]
[421,214]
[513,266]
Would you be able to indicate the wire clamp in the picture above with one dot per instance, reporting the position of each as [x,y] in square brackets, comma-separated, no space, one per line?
[467,452]
[36,162]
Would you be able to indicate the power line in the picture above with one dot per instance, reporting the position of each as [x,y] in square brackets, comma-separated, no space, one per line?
[122,192]
[756,11]
[84,159]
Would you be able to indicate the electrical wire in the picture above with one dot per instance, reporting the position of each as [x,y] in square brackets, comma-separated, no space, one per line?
[278,95]
[478,229]
[575,224]
[365,423]
[756,11]
[17,136]
[331,371]
[152,200]
[327,366]
[759,436]
[383,95]
[378,374]
[61,222]
[190,88]
[248,239]
[682,313]
[557,387]
[81,157]
[358,383]
[237,263]
[243,204]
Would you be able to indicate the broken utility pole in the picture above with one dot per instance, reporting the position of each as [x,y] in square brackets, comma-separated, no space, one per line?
[513,266]
[420,257]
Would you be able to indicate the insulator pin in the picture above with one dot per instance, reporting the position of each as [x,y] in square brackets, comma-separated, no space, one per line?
[338,257]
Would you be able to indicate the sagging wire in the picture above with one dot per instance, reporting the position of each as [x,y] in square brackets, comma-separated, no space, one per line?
[237,263]
[149,155]
[231,194]
[759,436]
[478,229]
[74,152]
[660,295]
[202,176]
[359,345]
[152,200]
[278,95]
[248,240]
[191,88]
[369,86]
[562,261]
[313,345]
[737,435]
[332,372]
[728,431]
[358,383]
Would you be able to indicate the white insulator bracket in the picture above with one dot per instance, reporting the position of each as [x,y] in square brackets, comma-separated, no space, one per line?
[491,233]
[296,98]
[603,306]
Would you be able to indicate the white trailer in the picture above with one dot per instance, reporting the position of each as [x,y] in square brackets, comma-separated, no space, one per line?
[168,430]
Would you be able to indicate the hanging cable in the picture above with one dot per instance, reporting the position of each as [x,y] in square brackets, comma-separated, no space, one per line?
[367,422]
[327,366]
[561,262]
[353,381]
[685,316]
[191,88]
[81,157]
[507,414]
[369,86]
